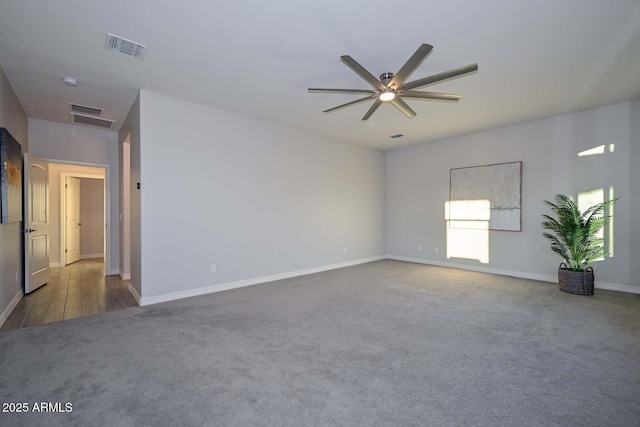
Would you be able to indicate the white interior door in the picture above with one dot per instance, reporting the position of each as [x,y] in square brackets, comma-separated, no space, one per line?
[72,220]
[36,223]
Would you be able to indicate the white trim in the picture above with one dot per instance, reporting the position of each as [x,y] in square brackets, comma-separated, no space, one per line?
[124,276]
[54,265]
[249,282]
[115,272]
[522,275]
[7,311]
[135,293]
[519,274]
[87,256]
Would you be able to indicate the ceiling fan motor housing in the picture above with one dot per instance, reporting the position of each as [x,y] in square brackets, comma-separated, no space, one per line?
[385,78]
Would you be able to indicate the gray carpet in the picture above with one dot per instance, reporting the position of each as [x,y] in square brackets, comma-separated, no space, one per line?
[385,343]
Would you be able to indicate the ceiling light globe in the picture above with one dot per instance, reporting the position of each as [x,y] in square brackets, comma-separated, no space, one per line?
[70,81]
[387,96]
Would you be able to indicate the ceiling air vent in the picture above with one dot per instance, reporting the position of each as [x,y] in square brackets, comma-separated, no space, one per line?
[92,121]
[83,109]
[126,47]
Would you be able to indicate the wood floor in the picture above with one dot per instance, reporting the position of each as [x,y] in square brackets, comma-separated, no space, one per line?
[77,290]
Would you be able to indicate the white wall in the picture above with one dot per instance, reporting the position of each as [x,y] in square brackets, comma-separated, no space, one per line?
[91,218]
[417,186]
[130,135]
[252,197]
[70,143]
[14,119]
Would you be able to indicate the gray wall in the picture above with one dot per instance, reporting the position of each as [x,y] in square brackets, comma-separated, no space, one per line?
[12,115]
[417,186]
[92,217]
[14,118]
[124,153]
[634,199]
[252,197]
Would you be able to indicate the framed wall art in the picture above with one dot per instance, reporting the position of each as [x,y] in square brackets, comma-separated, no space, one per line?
[10,178]
[491,194]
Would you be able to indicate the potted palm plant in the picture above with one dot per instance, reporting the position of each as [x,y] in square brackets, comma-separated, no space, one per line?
[574,236]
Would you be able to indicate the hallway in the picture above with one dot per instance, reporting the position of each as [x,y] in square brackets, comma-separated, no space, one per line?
[76,290]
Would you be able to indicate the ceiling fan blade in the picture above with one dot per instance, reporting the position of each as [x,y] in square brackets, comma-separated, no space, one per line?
[373,108]
[403,107]
[348,104]
[446,75]
[353,91]
[410,66]
[430,95]
[362,72]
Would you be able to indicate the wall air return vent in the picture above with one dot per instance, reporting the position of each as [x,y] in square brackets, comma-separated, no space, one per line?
[126,47]
[83,109]
[81,119]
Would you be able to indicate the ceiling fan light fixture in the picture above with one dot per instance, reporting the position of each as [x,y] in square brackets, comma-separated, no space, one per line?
[387,95]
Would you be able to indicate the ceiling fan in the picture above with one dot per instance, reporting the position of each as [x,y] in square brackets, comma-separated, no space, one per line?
[392,88]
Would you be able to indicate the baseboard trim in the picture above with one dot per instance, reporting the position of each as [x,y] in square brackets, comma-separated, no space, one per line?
[124,276]
[87,256]
[55,265]
[249,282]
[616,287]
[519,274]
[479,269]
[7,311]
[135,293]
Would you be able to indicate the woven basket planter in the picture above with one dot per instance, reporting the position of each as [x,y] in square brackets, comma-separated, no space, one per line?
[575,282]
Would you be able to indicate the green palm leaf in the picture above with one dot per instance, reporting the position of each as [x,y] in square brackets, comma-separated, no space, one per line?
[573,234]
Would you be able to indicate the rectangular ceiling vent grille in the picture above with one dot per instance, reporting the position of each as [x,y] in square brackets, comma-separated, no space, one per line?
[126,47]
[92,121]
[83,109]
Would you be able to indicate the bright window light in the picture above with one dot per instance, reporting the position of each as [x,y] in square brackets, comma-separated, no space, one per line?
[467,223]
[611,197]
[592,151]
[586,199]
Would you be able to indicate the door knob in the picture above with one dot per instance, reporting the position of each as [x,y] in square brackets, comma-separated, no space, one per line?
[30,230]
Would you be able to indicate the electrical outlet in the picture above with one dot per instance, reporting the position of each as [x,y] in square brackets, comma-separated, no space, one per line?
[436,249]
[344,251]
[213,269]
[419,248]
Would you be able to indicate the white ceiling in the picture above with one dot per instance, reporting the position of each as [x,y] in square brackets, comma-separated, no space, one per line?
[536,58]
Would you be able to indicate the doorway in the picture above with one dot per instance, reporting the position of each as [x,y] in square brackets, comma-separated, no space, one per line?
[82,217]
[82,288]
[85,172]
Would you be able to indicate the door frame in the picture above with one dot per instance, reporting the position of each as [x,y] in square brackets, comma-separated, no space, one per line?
[63,228]
[107,205]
